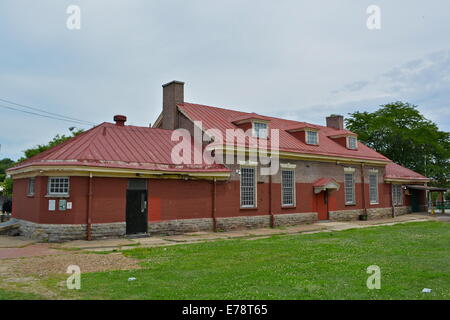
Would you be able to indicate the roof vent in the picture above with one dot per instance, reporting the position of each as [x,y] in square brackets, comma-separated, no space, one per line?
[120,120]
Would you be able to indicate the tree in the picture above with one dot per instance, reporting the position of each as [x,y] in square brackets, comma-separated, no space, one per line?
[58,139]
[401,133]
[5,164]
[31,152]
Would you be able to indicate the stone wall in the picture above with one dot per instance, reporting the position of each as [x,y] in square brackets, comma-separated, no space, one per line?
[243,222]
[345,215]
[372,213]
[295,219]
[66,232]
[180,226]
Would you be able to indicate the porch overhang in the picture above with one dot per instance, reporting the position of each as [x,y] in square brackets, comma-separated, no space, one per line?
[325,184]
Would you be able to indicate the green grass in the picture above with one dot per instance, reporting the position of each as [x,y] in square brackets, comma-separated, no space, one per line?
[328,265]
[16,295]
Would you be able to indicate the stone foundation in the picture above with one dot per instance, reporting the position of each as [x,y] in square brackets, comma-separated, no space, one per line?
[372,213]
[345,215]
[180,226]
[66,232]
[295,219]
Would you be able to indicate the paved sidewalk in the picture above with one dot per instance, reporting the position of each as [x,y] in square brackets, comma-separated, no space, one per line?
[195,237]
[16,247]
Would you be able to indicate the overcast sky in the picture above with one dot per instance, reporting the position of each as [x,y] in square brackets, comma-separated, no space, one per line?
[296,59]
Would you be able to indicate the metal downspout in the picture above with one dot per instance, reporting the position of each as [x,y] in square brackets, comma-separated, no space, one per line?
[89,211]
[272,218]
[213,213]
[363,187]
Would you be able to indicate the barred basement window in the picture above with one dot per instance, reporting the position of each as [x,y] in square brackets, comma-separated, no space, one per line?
[397,194]
[349,184]
[31,184]
[58,185]
[288,187]
[248,187]
[373,188]
[311,137]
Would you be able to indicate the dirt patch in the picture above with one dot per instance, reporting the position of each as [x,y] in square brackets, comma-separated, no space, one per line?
[24,274]
[57,264]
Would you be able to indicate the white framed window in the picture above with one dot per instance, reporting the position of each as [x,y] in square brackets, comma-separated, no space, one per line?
[312,137]
[373,187]
[349,186]
[260,130]
[352,142]
[397,193]
[288,188]
[31,185]
[58,186]
[248,187]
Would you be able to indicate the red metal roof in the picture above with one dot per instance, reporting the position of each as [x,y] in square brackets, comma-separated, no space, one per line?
[114,146]
[322,182]
[222,119]
[396,171]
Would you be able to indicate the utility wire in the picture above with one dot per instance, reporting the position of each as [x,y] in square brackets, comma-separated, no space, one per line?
[45,116]
[43,111]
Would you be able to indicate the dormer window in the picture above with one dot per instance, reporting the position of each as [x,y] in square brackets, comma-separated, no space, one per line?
[352,142]
[260,130]
[312,137]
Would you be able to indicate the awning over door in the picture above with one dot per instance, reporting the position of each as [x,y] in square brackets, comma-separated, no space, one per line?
[324,184]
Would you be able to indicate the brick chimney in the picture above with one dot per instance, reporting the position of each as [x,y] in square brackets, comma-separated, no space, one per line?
[335,121]
[173,94]
[120,120]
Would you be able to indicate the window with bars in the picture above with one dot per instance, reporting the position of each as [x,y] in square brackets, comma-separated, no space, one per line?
[248,187]
[311,137]
[31,184]
[288,187]
[373,188]
[352,142]
[58,185]
[260,129]
[397,194]
[349,184]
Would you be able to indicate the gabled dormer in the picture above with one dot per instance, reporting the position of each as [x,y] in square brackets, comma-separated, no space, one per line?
[346,139]
[258,124]
[306,133]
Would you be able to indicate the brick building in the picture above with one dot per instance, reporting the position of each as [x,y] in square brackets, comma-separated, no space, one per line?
[116,179]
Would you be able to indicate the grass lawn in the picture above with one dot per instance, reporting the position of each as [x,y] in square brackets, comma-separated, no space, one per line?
[328,265]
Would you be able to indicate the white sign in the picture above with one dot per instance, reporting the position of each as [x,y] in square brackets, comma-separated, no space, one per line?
[51,205]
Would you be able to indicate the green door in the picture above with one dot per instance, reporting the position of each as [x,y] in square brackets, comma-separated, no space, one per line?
[415,201]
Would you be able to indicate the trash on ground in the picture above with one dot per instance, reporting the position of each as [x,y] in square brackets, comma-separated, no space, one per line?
[426,290]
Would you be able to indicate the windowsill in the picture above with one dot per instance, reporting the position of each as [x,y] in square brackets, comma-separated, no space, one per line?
[57,196]
[249,208]
[30,195]
[374,203]
[350,204]
[290,206]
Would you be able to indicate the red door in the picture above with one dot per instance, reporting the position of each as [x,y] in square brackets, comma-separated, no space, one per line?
[322,205]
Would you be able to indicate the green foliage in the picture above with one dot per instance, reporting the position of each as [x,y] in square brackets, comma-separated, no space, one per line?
[58,139]
[6,163]
[400,132]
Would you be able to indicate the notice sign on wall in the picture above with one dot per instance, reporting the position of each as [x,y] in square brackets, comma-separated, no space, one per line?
[51,205]
[62,205]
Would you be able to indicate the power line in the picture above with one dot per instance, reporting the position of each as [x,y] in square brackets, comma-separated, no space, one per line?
[45,116]
[43,111]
